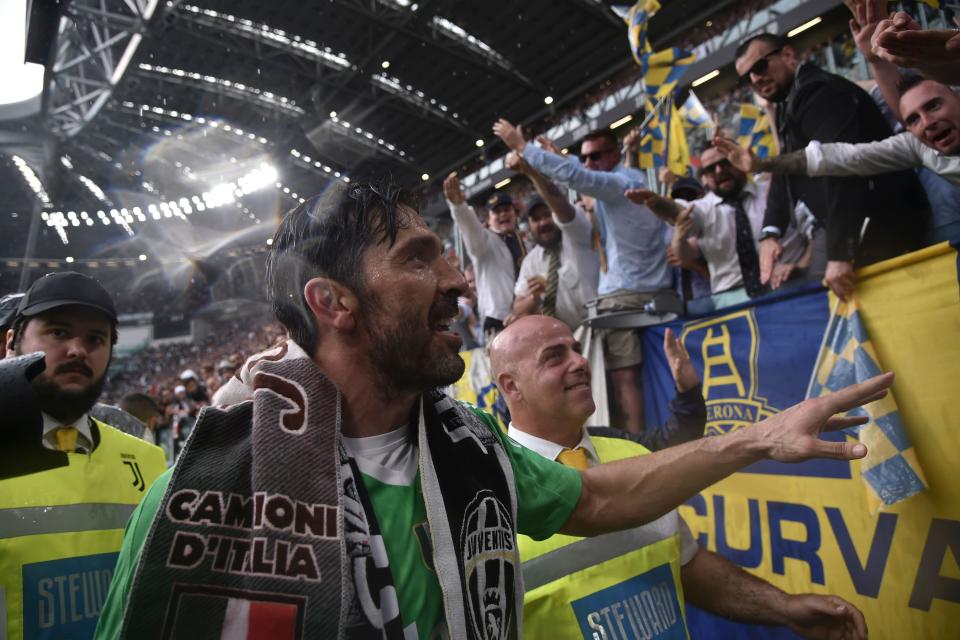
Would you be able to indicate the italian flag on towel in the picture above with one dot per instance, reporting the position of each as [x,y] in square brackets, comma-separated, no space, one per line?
[258,620]
[228,614]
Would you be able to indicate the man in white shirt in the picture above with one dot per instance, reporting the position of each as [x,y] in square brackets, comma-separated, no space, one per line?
[495,252]
[727,223]
[540,371]
[930,111]
[560,274]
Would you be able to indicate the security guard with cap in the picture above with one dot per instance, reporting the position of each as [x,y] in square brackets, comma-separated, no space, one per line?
[627,584]
[63,513]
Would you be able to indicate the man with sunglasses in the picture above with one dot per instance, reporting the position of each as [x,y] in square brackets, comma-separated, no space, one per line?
[632,239]
[812,104]
[726,223]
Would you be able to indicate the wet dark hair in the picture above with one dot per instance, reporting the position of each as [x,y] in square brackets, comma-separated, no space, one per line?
[769,38]
[326,237]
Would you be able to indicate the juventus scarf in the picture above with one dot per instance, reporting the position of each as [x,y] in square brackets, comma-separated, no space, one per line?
[266,528]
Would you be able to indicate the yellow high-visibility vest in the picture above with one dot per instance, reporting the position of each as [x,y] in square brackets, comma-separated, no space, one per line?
[617,586]
[60,531]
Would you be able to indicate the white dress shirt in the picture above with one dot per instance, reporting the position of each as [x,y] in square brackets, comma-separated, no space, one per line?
[492,262]
[715,225]
[548,449]
[578,273]
[898,152]
[82,425]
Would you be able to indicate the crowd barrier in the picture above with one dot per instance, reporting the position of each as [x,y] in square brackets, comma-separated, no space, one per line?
[818,527]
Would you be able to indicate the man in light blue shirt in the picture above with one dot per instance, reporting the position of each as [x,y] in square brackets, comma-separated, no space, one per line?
[633,239]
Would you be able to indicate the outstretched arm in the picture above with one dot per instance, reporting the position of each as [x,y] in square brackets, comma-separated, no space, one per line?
[476,239]
[629,493]
[548,190]
[606,185]
[716,585]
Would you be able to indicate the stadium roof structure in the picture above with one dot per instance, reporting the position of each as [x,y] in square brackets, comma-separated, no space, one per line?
[218,115]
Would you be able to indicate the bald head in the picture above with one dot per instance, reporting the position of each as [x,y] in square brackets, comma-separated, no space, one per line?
[519,340]
[543,377]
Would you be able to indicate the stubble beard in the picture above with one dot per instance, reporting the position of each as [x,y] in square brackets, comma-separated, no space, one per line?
[405,356]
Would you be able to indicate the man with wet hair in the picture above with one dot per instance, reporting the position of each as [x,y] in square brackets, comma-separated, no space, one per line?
[348,495]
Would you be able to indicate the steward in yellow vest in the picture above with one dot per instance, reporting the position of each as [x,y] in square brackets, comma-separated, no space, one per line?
[61,530]
[627,584]
[68,482]
[618,585]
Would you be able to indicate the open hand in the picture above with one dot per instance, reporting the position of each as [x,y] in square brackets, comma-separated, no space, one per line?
[548,145]
[781,273]
[742,158]
[684,374]
[794,435]
[510,134]
[452,190]
[770,252]
[824,618]
[866,15]
[662,207]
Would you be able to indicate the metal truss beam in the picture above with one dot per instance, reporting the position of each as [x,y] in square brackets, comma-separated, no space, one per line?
[95,42]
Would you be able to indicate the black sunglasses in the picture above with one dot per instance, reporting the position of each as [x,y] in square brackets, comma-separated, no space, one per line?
[760,66]
[595,155]
[712,168]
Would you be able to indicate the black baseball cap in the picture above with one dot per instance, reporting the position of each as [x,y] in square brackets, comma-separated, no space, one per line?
[687,188]
[499,199]
[66,288]
[534,202]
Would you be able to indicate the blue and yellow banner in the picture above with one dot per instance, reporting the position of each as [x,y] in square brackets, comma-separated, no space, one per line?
[694,114]
[891,469]
[814,527]
[755,131]
[664,69]
[638,19]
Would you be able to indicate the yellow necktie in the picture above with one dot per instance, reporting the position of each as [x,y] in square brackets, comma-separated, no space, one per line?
[66,439]
[576,458]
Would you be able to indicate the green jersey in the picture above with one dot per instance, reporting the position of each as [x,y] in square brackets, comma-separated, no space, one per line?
[547,493]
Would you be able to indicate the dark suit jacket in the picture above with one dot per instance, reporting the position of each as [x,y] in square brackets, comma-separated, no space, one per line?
[828,108]
[687,420]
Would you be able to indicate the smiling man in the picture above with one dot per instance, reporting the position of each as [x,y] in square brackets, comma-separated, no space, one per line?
[349,497]
[931,114]
[61,522]
[606,586]
[495,251]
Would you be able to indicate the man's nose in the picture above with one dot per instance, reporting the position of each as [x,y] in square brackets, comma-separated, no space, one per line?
[451,280]
[76,347]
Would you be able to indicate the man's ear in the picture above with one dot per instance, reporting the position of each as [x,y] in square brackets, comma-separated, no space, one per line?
[332,304]
[8,344]
[507,383]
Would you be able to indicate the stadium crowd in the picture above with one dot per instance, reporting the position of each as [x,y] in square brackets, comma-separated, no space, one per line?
[537,265]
